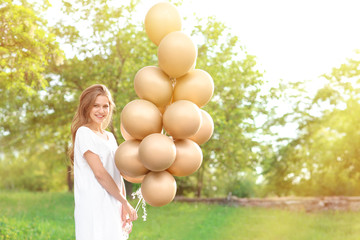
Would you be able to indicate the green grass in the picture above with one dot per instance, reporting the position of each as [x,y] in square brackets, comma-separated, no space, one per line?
[26,215]
[50,216]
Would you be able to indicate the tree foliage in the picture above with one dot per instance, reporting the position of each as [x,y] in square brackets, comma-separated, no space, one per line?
[323,159]
[234,107]
[27,47]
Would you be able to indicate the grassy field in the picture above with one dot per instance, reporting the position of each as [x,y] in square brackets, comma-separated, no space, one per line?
[50,216]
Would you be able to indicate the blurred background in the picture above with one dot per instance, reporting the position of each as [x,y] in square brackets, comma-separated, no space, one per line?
[286,103]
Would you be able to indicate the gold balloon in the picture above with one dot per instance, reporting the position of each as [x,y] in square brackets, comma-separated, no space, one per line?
[158,188]
[196,86]
[182,119]
[162,19]
[138,179]
[206,129]
[125,134]
[152,84]
[157,152]
[127,159]
[141,118]
[188,158]
[194,65]
[176,54]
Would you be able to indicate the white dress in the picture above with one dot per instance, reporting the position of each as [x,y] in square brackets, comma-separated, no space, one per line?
[97,213]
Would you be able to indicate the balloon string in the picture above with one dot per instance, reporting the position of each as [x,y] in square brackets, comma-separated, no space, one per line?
[141,203]
[138,205]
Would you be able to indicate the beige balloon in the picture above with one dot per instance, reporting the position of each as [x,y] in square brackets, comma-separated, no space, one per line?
[182,119]
[206,129]
[125,134]
[127,159]
[141,118]
[157,152]
[188,158]
[194,64]
[176,54]
[158,188]
[162,19]
[138,179]
[196,86]
[152,84]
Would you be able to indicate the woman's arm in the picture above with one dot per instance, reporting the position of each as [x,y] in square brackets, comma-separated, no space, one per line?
[107,182]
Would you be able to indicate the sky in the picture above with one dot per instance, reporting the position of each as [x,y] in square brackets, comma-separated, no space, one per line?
[293,40]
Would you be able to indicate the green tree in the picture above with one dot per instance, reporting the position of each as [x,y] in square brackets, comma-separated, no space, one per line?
[27,46]
[236,104]
[27,49]
[323,159]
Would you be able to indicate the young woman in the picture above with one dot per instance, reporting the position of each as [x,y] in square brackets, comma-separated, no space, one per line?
[101,209]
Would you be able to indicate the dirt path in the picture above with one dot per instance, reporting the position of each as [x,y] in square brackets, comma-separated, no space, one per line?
[308,204]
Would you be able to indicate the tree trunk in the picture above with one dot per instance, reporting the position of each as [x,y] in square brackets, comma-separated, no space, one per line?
[69,175]
[70,181]
[128,188]
[200,179]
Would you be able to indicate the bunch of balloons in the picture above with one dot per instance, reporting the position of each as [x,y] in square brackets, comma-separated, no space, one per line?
[164,128]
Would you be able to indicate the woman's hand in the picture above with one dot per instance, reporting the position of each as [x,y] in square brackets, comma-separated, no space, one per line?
[129,210]
[128,215]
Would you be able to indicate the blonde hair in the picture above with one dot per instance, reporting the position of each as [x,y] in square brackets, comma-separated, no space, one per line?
[82,115]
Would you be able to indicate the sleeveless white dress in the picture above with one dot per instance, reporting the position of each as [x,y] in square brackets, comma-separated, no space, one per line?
[97,213]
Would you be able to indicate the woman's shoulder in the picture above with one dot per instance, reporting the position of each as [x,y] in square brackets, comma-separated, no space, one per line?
[83,130]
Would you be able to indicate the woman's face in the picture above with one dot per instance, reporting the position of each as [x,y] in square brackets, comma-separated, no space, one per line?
[100,110]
